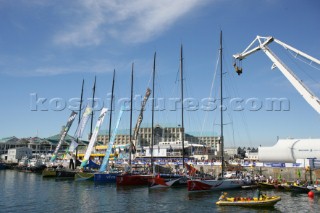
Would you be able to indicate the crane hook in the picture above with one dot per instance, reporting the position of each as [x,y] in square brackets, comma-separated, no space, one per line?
[238,69]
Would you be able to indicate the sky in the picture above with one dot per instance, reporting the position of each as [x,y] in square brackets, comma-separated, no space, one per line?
[48,47]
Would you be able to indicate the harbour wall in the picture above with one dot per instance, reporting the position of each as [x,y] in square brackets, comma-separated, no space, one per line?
[289,174]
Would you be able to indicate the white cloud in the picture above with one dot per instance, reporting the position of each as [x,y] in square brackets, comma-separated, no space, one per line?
[92,66]
[96,66]
[129,21]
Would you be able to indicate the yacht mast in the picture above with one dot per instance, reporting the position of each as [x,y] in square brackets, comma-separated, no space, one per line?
[93,93]
[130,130]
[111,104]
[182,122]
[221,109]
[80,108]
[152,111]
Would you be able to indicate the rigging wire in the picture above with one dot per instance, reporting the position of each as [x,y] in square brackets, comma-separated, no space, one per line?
[191,112]
[211,95]
[303,59]
[293,59]
[234,90]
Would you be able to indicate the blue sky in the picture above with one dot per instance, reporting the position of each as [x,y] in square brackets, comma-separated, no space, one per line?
[48,47]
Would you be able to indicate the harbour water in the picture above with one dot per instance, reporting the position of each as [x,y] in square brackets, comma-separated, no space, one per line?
[28,192]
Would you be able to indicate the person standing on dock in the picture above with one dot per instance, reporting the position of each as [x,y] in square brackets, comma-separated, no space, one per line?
[71,163]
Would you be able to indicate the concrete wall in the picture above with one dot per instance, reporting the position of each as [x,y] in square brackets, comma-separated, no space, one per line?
[289,174]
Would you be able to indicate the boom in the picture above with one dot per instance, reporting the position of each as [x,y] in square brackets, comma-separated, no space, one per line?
[311,98]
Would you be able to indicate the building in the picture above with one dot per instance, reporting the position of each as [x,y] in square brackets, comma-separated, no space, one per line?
[122,138]
[173,149]
[252,154]
[163,134]
[232,151]
[204,145]
[7,143]
[16,154]
[37,145]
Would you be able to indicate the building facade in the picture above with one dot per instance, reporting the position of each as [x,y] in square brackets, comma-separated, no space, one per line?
[162,134]
[37,145]
[16,154]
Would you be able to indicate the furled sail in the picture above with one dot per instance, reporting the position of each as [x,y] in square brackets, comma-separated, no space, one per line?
[63,135]
[105,161]
[140,118]
[93,137]
[79,132]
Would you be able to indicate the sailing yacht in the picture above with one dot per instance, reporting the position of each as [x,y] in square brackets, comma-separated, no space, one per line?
[64,173]
[221,183]
[129,178]
[51,170]
[104,176]
[173,180]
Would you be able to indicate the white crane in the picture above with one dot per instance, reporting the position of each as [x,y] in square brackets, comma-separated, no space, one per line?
[263,43]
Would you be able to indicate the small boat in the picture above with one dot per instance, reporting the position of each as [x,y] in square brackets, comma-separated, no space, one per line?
[261,201]
[265,185]
[286,186]
[296,188]
[279,186]
[299,189]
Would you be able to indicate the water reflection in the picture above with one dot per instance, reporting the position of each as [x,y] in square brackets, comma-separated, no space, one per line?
[32,193]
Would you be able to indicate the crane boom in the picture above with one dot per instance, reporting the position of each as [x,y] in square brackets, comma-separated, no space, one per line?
[306,93]
[286,46]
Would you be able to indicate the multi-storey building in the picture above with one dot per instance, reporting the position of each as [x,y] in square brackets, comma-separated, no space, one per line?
[162,134]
